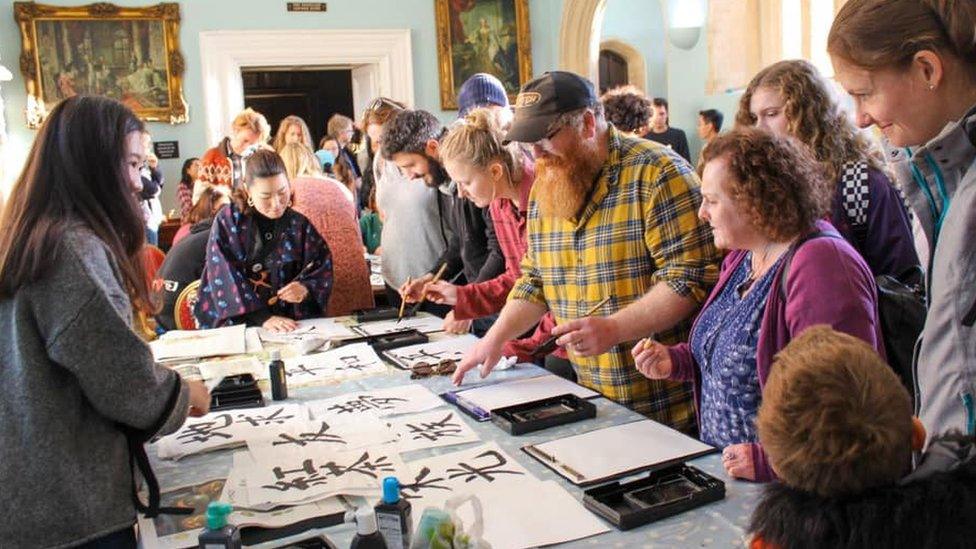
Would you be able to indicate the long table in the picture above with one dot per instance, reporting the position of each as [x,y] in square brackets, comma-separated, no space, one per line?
[720,524]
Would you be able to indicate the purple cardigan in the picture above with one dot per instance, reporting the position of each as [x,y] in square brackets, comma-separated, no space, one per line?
[828,283]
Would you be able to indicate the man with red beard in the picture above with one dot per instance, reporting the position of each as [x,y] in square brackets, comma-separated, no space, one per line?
[609,216]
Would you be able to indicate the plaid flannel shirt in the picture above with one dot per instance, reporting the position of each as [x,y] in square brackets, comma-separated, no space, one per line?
[639,227]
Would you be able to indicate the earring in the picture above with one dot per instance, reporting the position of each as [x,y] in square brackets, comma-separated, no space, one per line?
[931,87]
[250,201]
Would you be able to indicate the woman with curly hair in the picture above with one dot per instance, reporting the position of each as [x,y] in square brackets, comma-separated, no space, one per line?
[791,98]
[765,199]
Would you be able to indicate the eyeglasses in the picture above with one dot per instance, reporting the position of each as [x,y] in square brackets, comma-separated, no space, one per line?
[382,101]
[424,369]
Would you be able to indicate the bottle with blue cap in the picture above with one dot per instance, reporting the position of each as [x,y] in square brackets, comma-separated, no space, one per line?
[219,534]
[393,516]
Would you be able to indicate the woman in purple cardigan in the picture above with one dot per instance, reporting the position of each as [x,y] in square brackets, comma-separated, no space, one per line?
[765,199]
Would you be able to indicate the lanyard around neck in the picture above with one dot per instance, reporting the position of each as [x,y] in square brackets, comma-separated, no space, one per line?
[937,216]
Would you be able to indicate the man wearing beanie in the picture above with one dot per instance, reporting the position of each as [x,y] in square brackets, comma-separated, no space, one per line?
[484,90]
[610,216]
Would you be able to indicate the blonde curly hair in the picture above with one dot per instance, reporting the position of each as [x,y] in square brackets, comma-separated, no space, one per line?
[812,114]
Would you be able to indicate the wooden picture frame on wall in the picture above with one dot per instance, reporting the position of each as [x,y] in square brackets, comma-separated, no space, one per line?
[131,54]
[491,36]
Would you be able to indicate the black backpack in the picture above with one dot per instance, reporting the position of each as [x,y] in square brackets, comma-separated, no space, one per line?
[901,312]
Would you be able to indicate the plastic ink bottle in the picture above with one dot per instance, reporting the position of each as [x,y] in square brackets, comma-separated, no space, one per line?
[366,535]
[393,516]
[219,534]
[276,373]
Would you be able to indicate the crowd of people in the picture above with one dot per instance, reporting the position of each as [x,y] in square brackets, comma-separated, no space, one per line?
[736,299]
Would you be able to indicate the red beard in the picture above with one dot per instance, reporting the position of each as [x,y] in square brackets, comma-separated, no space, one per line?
[564,183]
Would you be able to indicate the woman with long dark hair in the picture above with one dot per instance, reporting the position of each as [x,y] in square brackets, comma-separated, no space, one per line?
[266,264]
[79,390]
[184,190]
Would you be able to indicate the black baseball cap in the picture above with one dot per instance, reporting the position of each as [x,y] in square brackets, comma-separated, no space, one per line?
[542,100]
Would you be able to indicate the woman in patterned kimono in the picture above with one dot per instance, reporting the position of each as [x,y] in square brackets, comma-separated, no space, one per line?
[266,264]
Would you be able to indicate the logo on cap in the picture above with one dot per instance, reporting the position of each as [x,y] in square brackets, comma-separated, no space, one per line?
[527,99]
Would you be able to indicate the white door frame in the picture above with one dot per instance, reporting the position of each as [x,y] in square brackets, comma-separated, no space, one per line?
[385,54]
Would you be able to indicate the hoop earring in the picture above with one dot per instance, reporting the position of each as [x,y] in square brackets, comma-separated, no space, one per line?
[250,201]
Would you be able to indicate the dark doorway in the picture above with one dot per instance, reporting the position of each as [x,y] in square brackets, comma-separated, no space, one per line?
[613,71]
[314,95]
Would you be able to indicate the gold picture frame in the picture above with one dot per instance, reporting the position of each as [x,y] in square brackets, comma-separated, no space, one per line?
[478,37]
[128,53]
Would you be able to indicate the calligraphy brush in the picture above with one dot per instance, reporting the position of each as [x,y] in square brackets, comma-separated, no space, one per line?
[305,270]
[549,344]
[423,296]
[417,305]
[403,303]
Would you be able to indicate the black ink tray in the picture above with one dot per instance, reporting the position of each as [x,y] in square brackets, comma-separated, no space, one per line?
[542,414]
[659,494]
[235,392]
[385,342]
[381,313]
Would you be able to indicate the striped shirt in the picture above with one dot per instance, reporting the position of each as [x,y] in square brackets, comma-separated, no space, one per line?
[639,227]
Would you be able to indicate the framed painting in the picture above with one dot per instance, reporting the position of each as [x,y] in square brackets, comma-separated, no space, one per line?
[131,54]
[489,36]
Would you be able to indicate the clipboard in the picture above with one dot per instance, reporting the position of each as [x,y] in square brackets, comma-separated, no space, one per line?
[610,453]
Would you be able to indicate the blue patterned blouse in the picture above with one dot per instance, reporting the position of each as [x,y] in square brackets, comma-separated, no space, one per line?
[723,343]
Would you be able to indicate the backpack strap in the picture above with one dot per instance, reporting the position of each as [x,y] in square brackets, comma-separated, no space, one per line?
[856,193]
[789,257]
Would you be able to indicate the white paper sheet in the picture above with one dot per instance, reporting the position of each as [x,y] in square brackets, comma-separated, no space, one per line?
[479,470]
[232,428]
[425,324]
[181,531]
[541,513]
[432,352]
[221,368]
[518,391]
[299,474]
[325,328]
[325,437]
[347,362]
[404,399]
[431,430]
[616,450]
[182,344]
[252,341]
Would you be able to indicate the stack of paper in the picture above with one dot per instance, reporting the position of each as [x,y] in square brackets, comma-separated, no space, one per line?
[187,344]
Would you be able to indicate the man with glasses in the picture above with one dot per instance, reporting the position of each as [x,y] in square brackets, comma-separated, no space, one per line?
[610,216]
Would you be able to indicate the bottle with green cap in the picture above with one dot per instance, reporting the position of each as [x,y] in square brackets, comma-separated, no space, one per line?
[219,534]
[393,516]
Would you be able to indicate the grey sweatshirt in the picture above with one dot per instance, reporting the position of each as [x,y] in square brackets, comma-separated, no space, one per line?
[72,374]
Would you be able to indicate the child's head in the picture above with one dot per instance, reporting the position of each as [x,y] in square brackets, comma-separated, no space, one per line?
[835,420]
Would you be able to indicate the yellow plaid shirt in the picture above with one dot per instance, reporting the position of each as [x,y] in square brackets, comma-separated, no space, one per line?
[640,227]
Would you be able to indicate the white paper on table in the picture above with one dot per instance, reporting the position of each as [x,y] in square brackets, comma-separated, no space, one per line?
[252,341]
[324,328]
[425,324]
[199,343]
[479,470]
[221,368]
[540,513]
[433,351]
[606,453]
[181,531]
[346,362]
[404,399]
[299,474]
[325,437]
[431,430]
[518,391]
[231,428]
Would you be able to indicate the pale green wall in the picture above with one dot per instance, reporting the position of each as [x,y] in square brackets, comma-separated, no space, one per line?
[207,15]
[640,23]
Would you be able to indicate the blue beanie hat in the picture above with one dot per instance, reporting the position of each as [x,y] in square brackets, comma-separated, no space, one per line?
[480,90]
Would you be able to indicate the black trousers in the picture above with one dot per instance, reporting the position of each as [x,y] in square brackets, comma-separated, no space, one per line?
[120,539]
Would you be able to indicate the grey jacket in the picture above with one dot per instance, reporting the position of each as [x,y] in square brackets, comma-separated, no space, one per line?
[945,364]
[73,375]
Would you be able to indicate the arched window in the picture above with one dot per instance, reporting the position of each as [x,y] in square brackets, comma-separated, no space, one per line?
[613,70]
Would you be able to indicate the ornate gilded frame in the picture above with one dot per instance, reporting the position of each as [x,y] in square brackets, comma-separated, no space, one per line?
[27,14]
[445,64]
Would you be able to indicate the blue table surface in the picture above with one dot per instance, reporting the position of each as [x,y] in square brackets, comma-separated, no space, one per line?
[719,524]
